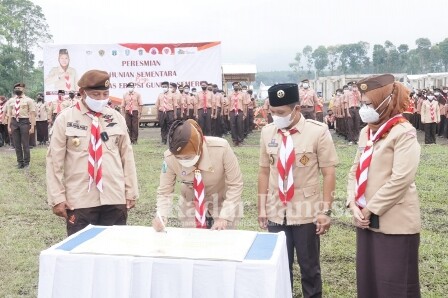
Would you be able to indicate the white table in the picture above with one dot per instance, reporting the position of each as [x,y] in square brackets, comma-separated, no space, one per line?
[263,272]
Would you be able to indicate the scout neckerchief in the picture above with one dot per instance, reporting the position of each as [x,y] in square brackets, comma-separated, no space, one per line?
[58,106]
[95,151]
[165,102]
[68,85]
[17,108]
[131,103]
[432,112]
[205,101]
[286,159]
[235,102]
[199,200]
[362,170]
[355,96]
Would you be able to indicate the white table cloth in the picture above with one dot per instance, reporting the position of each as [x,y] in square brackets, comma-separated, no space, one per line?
[64,274]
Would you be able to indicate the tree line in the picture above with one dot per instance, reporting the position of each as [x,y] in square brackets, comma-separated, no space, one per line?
[356,58]
[23,28]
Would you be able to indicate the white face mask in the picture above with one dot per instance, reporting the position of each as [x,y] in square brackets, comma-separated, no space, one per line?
[187,163]
[305,85]
[430,97]
[165,89]
[96,105]
[436,93]
[369,114]
[283,122]
[186,90]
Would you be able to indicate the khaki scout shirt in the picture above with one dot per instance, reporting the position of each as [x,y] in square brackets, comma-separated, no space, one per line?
[57,78]
[391,193]
[337,106]
[218,99]
[209,99]
[63,104]
[426,111]
[308,97]
[136,101]
[314,149]
[165,102]
[27,106]
[353,98]
[67,175]
[222,180]
[177,99]
[238,99]
[42,112]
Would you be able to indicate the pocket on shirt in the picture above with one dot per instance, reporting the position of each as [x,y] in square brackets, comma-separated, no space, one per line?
[76,139]
[114,140]
[305,157]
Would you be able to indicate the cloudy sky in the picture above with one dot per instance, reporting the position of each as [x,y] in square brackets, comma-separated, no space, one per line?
[265,32]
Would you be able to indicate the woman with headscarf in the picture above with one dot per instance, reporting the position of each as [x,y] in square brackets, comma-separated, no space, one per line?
[210,177]
[382,193]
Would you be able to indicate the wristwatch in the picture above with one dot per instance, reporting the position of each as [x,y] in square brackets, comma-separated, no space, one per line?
[327,212]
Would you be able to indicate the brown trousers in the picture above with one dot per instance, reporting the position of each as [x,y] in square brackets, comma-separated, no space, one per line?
[21,136]
[132,124]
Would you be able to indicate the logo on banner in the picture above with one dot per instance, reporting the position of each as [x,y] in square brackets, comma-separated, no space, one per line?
[89,52]
[154,51]
[180,52]
[140,52]
[166,51]
[101,52]
[127,52]
[114,52]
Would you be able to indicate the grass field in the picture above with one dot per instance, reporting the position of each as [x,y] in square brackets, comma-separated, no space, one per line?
[27,225]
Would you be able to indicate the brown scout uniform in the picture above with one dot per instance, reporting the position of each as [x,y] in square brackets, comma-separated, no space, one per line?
[222,179]
[132,117]
[165,106]
[67,176]
[57,78]
[237,111]
[204,112]
[20,127]
[314,149]
[42,118]
[308,100]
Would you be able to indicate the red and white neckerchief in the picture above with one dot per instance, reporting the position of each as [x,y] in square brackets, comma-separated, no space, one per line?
[199,200]
[131,104]
[95,151]
[205,101]
[2,103]
[68,85]
[235,102]
[432,112]
[165,102]
[355,95]
[362,171]
[17,108]
[285,162]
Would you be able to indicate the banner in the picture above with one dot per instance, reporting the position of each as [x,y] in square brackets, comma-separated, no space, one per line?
[146,65]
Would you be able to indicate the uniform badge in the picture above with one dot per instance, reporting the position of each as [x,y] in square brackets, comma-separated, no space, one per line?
[304,160]
[273,143]
[271,159]
[164,167]
[363,87]
[76,142]
[184,173]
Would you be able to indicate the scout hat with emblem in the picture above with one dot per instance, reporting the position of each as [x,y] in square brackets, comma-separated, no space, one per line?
[305,81]
[95,80]
[61,91]
[283,94]
[185,138]
[130,85]
[63,52]
[375,82]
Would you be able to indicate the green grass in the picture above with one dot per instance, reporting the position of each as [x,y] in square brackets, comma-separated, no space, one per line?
[27,225]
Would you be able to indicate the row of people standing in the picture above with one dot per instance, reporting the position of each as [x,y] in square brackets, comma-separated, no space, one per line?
[216,113]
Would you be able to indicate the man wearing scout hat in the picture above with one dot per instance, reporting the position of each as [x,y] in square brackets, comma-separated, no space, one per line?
[91,175]
[293,151]
[132,111]
[21,122]
[210,177]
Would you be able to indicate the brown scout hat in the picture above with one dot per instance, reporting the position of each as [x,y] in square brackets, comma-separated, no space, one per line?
[283,94]
[19,85]
[94,79]
[375,82]
[63,52]
[185,137]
